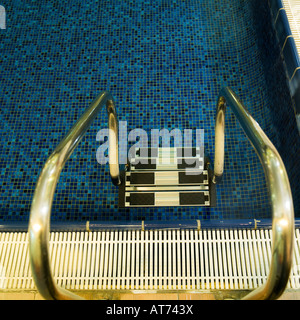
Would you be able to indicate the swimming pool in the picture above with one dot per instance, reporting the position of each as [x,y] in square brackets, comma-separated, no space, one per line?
[165,63]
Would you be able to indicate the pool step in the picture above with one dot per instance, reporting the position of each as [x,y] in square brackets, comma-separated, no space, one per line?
[167,159]
[167,177]
[168,198]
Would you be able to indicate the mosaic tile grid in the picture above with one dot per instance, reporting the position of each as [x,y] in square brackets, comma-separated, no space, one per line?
[286,139]
[164,62]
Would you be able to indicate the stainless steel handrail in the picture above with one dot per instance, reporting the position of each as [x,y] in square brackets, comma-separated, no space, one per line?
[39,222]
[279,190]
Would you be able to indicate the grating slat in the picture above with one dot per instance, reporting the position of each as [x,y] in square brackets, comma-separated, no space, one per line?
[143,260]
[295,273]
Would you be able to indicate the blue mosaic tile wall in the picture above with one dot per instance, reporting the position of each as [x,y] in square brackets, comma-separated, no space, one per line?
[164,62]
[289,52]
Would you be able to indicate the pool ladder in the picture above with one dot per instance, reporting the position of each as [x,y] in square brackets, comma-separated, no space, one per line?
[166,176]
[275,173]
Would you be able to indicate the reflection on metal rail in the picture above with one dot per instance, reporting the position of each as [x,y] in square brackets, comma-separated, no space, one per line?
[276,176]
[39,223]
[279,190]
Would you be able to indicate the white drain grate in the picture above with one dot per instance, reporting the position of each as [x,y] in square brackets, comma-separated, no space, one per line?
[148,260]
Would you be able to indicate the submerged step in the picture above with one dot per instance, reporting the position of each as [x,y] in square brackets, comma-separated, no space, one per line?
[167,178]
[179,152]
[166,159]
[177,164]
[169,198]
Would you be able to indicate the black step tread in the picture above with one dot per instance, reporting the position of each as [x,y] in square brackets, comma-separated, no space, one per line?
[182,198]
[183,177]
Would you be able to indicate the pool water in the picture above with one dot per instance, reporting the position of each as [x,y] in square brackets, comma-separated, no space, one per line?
[164,62]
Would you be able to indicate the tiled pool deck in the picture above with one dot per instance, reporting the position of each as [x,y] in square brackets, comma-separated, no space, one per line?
[90,295]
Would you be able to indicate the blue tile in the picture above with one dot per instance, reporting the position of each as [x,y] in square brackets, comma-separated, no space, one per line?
[275,5]
[282,27]
[291,56]
[294,83]
[298,121]
[296,97]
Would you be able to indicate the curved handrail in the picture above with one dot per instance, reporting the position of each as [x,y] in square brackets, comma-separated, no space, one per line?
[39,222]
[279,190]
